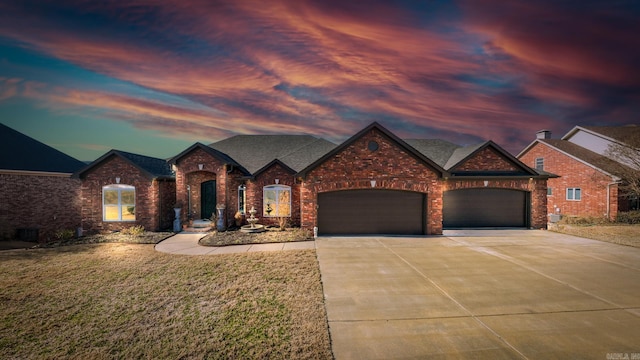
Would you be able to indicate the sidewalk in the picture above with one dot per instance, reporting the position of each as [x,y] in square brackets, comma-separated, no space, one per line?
[186,243]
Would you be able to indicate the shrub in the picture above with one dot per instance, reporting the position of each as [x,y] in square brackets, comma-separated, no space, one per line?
[583,220]
[283,222]
[134,230]
[629,217]
[64,234]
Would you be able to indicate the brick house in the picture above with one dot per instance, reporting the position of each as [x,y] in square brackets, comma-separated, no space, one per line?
[589,179]
[38,195]
[121,189]
[374,182]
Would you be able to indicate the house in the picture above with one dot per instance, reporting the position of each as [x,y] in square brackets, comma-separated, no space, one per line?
[373,183]
[121,189]
[38,194]
[589,182]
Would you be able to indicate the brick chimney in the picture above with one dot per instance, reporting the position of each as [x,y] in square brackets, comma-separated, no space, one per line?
[543,134]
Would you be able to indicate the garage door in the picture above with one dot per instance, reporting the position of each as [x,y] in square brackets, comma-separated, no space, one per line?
[371,212]
[468,208]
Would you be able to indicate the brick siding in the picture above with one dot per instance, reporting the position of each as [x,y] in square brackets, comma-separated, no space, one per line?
[574,174]
[266,178]
[486,159]
[46,203]
[154,198]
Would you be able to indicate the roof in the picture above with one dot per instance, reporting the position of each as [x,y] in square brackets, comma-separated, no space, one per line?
[437,150]
[594,159]
[23,153]
[226,159]
[460,154]
[255,152]
[623,134]
[401,143]
[153,168]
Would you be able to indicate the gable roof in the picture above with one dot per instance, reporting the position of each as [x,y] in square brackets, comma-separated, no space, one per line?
[153,168]
[463,154]
[226,159]
[401,143]
[587,157]
[622,134]
[23,153]
[257,152]
[440,151]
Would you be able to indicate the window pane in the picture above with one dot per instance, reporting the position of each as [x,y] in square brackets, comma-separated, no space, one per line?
[549,191]
[270,203]
[128,197]
[128,213]
[241,200]
[284,209]
[111,197]
[577,194]
[111,213]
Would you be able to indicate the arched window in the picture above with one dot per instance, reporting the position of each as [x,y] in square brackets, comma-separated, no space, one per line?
[276,201]
[118,203]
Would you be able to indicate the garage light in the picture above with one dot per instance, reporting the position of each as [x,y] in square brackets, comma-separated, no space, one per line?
[373,183]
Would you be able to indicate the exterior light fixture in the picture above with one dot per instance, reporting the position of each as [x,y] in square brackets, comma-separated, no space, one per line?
[373,183]
[277,181]
[486,183]
[200,166]
[117,180]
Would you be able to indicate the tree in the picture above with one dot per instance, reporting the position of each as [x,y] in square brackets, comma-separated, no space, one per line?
[627,156]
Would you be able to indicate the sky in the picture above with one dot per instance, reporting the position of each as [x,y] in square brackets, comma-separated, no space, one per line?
[154,77]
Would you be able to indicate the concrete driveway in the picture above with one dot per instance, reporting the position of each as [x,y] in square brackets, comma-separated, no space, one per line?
[485,294]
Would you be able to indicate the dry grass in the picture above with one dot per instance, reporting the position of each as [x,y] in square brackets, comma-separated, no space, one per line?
[270,236]
[129,301]
[618,234]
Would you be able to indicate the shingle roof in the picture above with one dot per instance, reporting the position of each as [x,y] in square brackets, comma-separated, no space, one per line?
[21,152]
[254,152]
[601,162]
[461,153]
[622,134]
[437,150]
[153,167]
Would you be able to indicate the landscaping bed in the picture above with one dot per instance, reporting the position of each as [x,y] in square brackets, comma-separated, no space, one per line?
[146,237]
[272,235]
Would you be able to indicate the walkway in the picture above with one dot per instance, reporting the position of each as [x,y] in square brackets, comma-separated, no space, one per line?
[186,243]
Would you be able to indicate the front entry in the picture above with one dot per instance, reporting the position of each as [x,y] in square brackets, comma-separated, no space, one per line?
[208,199]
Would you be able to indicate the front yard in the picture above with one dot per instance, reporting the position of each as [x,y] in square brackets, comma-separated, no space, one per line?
[614,233]
[128,301]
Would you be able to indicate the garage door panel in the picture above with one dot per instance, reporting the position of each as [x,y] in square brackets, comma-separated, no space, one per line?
[371,212]
[484,208]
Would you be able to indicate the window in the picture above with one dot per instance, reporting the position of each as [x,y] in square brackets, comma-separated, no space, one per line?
[539,163]
[276,201]
[242,199]
[549,191]
[118,203]
[574,194]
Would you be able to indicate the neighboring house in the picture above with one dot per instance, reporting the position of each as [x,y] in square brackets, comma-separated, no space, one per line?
[589,179]
[372,183]
[121,190]
[38,196]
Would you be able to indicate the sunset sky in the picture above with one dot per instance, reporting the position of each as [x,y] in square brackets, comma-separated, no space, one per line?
[153,77]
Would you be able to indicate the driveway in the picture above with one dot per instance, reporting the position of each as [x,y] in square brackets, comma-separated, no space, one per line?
[494,294]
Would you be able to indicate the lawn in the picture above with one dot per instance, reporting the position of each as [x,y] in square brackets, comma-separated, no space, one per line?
[614,233]
[115,300]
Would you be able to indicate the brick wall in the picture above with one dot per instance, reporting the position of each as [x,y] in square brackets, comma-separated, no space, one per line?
[574,174]
[43,202]
[353,168]
[487,159]
[153,198]
[268,177]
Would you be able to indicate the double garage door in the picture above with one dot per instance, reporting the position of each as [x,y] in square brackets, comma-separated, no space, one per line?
[378,211]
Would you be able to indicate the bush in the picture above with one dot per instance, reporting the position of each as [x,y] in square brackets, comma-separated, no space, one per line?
[64,234]
[629,217]
[583,220]
[134,230]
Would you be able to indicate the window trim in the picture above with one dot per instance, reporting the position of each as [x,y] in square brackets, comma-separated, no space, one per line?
[242,199]
[571,194]
[277,188]
[119,188]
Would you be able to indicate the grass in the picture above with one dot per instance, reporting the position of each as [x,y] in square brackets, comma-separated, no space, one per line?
[270,236]
[622,234]
[115,300]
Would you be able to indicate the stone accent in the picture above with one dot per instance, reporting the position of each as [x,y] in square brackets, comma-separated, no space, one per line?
[154,198]
[45,202]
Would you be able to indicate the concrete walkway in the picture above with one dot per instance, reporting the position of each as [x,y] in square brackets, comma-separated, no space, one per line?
[507,294]
[186,243]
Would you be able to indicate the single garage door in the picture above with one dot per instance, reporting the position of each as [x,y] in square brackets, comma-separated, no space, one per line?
[472,208]
[371,212]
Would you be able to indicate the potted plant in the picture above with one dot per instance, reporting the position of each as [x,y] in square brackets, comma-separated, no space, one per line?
[238,217]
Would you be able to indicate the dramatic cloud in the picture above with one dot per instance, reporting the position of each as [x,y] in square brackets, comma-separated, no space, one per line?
[464,71]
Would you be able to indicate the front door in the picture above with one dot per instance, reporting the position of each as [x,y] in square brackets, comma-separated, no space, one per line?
[208,198]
